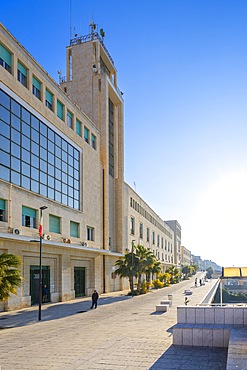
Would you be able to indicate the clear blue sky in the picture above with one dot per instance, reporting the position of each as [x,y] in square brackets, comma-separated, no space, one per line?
[182,65]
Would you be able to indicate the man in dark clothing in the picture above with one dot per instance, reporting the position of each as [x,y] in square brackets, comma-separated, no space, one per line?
[95,297]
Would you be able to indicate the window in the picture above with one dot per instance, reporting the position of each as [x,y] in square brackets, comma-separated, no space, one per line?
[22,74]
[111,138]
[93,141]
[168,246]
[132,225]
[162,243]
[153,237]
[165,244]
[60,110]
[5,58]
[50,165]
[158,240]
[86,134]
[48,99]
[74,229]
[36,88]
[90,233]
[69,118]
[78,127]
[148,234]
[28,217]
[2,210]
[141,231]
[54,224]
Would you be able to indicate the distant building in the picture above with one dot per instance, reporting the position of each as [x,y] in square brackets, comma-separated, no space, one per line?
[175,226]
[145,227]
[185,256]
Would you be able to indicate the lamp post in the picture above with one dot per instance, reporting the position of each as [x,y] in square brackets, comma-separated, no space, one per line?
[132,267]
[40,257]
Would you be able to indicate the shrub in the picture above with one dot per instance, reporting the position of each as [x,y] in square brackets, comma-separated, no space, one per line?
[157,284]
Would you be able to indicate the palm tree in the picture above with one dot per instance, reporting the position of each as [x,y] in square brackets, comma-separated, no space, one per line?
[145,259]
[10,276]
[127,268]
[154,267]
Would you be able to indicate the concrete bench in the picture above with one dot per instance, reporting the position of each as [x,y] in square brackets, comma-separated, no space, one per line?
[167,302]
[203,335]
[162,308]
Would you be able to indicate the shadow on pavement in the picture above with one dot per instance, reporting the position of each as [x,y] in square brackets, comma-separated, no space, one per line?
[188,358]
[52,311]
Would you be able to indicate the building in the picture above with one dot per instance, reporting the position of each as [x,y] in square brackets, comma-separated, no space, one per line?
[62,155]
[143,226]
[175,226]
[185,256]
[53,154]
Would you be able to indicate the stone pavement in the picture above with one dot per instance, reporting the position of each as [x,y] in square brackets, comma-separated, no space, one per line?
[122,333]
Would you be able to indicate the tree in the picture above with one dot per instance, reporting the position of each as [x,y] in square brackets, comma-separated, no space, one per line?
[126,268]
[186,271]
[10,275]
[146,261]
[141,261]
[175,274]
[209,273]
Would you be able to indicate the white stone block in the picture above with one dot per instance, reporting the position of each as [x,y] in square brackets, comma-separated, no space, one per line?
[209,315]
[207,337]
[191,315]
[200,315]
[197,336]
[178,336]
[218,338]
[229,317]
[162,308]
[187,337]
[181,315]
[219,315]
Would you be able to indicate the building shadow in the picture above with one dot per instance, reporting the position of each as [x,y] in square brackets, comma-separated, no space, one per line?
[188,357]
[54,311]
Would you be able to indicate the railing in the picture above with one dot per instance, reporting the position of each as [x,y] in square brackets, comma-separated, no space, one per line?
[91,37]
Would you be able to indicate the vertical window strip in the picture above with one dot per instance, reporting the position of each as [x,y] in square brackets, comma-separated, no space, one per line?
[78,127]
[74,229]
[86,134]
[69,119]
[54,224]
[60,109]
[49,99]
[93,140]
[22,74]
[5,58]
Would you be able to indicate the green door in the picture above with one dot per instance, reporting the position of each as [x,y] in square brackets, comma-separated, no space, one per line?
[79,281]
[34,282]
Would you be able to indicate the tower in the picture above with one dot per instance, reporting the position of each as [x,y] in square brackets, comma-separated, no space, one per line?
[91,82]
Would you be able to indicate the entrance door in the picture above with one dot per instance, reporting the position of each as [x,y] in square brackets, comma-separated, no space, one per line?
[34,282]
[79,281]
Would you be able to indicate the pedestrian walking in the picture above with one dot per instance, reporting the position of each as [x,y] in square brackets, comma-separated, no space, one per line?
[45,294]
[95,297]
[195,282]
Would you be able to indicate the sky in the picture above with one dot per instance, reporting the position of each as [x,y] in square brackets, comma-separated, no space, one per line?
[182,69]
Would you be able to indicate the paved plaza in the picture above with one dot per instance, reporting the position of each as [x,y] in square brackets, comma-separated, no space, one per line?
[122,333]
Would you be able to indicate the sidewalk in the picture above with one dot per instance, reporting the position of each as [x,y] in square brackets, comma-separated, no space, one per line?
[123,333]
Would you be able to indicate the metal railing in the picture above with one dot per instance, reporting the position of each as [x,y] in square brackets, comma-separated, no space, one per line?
[91,37]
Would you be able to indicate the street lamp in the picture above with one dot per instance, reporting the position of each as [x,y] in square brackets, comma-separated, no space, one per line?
[41,209]
[132,267]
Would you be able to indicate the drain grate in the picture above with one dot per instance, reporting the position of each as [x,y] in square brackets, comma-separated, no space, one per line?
[81,311]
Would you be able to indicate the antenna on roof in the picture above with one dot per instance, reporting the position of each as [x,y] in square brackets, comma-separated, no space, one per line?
[70,7]
[92,26]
